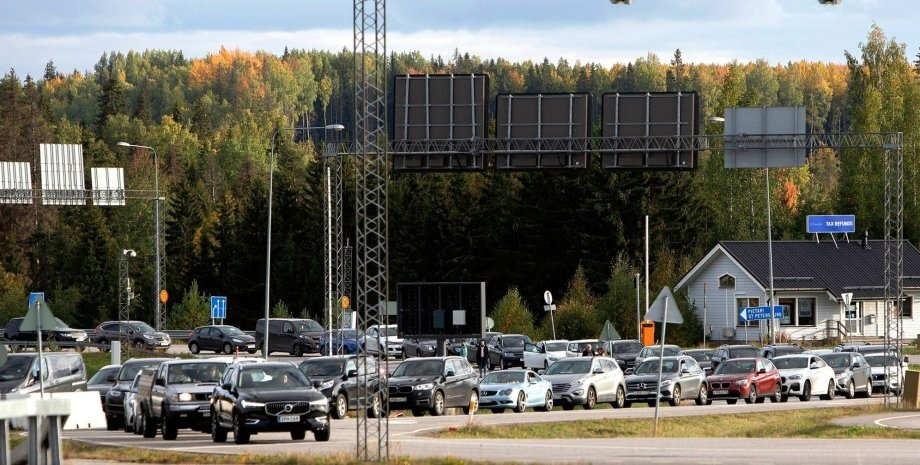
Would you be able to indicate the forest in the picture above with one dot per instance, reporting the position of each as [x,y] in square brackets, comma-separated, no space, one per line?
[579,235]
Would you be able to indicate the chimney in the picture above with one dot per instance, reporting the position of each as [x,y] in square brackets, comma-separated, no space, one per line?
[865,240]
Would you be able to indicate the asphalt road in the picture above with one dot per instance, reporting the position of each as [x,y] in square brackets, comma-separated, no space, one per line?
[407,438]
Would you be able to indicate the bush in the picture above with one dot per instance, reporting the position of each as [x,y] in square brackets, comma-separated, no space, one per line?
[511,314]
[193,311]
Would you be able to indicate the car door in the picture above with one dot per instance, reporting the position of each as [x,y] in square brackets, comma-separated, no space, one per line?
[223,398]
[767,381]
[689,377]
[158,390]
[862,374]
[601,380]
[816,375]
[205,338]
[495,350]
[532,355]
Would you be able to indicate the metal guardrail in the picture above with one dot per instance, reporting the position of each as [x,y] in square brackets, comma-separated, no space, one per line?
[46,422]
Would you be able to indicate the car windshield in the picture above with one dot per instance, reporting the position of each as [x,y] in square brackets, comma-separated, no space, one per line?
[791,363]
[504,377]
[836,360]
[515,341]
[656,351]
[128,372]
[626,348]
[580,346]
[700,355]
[569,367]
[232,331]
[648,367]
[348,334]
[195,373]
[743,352]
[326,367]
[272,377]
[142,327]
[101,375]
[15,368]
[555,346]
[388,331]
[736,367]
[420,368]
[879,360]
[308,325]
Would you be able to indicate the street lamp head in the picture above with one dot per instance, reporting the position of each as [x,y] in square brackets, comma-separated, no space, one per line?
[129,253]
[717,119]
[335,127]
[123,144]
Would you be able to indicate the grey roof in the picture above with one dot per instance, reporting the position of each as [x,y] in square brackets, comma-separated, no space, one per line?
[809,265]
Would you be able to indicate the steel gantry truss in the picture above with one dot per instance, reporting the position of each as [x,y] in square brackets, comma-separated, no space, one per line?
[894,263]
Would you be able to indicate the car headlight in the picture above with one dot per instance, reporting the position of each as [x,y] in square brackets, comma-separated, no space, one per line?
[236,341]
[427,347]
[665,383]
[504,392]
[115,393]
[251,404]
[183,397]
[327,384]
[319,405]
[148,336]
[423,387]
[742,382]
[795,377]
[841,375]
[577,382]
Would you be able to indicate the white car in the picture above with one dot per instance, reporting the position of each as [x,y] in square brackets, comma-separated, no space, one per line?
[576,347]
[881,382]
[541,355]
[805,374]
[382,340]
[587,381]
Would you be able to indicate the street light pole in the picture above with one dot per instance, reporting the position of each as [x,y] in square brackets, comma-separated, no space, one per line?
[158,283]
[268,238]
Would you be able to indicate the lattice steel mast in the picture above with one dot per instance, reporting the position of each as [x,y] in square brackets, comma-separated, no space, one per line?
[894,261]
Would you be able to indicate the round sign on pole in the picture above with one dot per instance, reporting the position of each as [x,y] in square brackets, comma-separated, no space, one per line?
[346,302]
[164,296]
[490,323]
[548,297]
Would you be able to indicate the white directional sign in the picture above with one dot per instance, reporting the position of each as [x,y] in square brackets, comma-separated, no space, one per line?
[218,307]
[760,313]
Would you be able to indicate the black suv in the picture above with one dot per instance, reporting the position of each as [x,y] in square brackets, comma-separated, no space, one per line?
[115,397]
[624,352]
[433,384]
[63,332]
[728,352]
[139,335]
[267,396]
[295,336]
[507,350]
[220,338]
[338,378]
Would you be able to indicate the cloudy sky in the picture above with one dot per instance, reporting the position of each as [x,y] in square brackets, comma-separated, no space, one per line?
[75,33]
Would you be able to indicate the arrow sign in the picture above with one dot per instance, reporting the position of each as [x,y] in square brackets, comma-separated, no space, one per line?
[657,311]
[760,313]
[218,307]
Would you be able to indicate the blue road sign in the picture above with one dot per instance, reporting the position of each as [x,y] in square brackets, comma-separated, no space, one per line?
[218,307]
[831,224]
[35,296]
[760,313]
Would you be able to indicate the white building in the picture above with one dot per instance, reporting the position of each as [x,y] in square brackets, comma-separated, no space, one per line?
[808,278]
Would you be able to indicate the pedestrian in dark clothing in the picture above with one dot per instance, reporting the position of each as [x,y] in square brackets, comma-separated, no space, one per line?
[588,352]
[482,358]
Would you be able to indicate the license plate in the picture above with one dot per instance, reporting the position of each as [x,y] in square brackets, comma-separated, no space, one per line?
[288,418]
[878,383]
[557,396]
[164,343]
[640,393]
[250,346]
[397,399]
[204,413]
[723,392]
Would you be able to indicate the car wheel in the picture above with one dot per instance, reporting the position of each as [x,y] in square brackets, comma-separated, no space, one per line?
[418,412]
[228,349]
[568,407]
[322,435]
[806,392]
[375,411]
[404,354]
[218,433]
[298,435]
[702,396]
[502,363]
[240,435]
[193,347]
[651,403]
[170,430]
[297,350]
[418,353]
[474,402]
[521,404]
[851,390]
[731,401]
[138,425]
[106,346]
[111,423]
[139,345]
[675,396]
[592,399]
[547,403]
[620,400]
[498,410]
[340,406]
[627,404]
[150,426]
[128,426]
[437,404]
[776,397]
[752,395]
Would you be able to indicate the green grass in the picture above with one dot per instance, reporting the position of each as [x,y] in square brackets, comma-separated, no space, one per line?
[810,423]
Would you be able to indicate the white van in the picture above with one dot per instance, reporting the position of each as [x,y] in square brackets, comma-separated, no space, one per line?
[60,372]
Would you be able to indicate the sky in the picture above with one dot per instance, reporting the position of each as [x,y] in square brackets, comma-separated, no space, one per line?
[75,33]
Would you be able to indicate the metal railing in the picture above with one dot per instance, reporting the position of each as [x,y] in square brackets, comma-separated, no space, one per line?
[45,419]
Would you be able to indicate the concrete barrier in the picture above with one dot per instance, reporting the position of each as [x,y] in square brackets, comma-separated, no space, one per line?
[85,410]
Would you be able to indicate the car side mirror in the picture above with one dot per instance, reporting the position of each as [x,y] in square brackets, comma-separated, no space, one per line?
[762,371]
[160,382]
[629,371]
[857,364]
[598,371]
[685,371]
[906,359]
[130,331]
[221,336]
[351,373]
[533,381]
[317,383]
[226,386]
[450,373]
[110,378]
[814,366]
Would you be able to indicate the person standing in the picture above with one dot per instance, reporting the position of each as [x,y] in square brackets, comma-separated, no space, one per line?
[464,350]
[482,358]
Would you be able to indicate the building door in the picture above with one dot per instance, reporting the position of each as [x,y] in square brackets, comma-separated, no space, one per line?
[852,318]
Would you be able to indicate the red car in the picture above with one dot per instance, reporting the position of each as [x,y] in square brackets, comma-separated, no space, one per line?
[751,379]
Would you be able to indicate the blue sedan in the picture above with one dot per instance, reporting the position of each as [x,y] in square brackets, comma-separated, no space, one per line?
[344,341]
[515,389]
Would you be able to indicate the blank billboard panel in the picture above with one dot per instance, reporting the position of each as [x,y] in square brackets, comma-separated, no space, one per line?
[62,174]
[441,310]
[108,186]
[542,131]
[651,130]
[761,137]
[15,183]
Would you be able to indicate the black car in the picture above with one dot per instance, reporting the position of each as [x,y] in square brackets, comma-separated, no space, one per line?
[101,383]
[220,338]
[433,384]
[138,334]
[507,350]
[414,347]
[115,398]
[624,352]
[776,350]
[295,336]
[703,357]
[728,352]
[267,396]
[338,378]
[63,332]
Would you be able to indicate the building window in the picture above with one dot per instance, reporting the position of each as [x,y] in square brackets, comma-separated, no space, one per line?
[797,312]
[726,281]
[806,312]
[908,311]
[744,302]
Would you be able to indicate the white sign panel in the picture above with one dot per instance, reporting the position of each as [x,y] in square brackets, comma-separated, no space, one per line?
[108,186]
[762,137]
[15,183]
[62,174]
